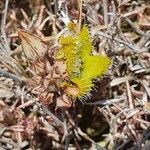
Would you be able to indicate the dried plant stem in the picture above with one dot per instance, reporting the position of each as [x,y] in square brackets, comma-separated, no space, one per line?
[136,29]
[9,75]
[105,6]
[8,141]
[144,40]
[56,121]
[3,24]
[133,47]
[131,105]
[54,118]
[107,102]
[85,136]
[80,3]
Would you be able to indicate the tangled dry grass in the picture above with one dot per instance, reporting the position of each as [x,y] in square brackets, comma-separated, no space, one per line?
[36,114]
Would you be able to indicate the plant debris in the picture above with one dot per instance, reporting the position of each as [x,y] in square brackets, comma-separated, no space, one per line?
[35,110]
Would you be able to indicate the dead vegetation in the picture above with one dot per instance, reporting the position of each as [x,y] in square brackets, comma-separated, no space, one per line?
[36,114]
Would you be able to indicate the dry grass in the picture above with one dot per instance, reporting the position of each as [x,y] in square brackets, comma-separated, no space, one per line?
[36,114]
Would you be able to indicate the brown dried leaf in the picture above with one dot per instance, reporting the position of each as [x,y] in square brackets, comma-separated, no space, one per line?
[46,98]
[147,106]
[143,21]
[63,102]
[32,45]
[38,66]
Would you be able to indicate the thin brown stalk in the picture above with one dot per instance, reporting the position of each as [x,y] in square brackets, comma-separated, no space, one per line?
[131,105]
[3,24]
[135,28]
[80,3]
[105,7]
